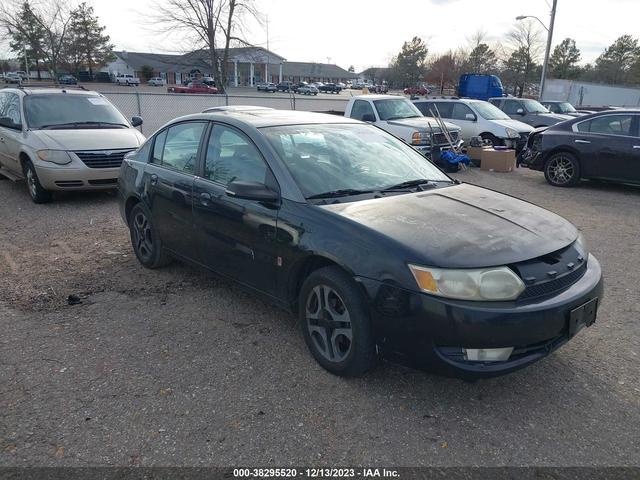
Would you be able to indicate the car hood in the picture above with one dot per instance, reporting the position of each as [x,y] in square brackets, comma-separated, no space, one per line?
[517,125]
[423,123]
[90,139]
[462,226]
[556,117]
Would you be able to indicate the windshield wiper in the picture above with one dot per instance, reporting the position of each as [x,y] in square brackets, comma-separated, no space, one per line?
[345,192]
[78,124]
[412,183]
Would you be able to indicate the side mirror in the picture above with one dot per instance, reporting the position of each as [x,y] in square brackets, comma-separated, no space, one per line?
[252,191]
[8,123]
[369,117]
[470,116]
[136,121]
[520,111]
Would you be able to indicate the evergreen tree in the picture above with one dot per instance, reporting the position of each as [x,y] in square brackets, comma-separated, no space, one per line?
[409,64]
[616,62]
[87,44]
[481,60]
[31,36]
[564,60]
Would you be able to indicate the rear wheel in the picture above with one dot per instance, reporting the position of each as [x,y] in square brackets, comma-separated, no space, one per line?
[145,240]
[562,170]
[335,323]
[36,191]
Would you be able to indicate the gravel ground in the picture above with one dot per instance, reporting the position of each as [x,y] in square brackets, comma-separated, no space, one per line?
[174,367]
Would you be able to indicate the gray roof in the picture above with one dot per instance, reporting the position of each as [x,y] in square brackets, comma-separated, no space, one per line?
[272,117]
[320,70]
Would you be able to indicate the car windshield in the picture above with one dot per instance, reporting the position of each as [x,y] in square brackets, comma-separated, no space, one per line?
[565,107]
[391,109]
[489,112]
[51,110]
[347,157]
[534,106]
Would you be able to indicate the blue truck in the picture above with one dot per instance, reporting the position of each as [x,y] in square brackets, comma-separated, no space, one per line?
[480,87]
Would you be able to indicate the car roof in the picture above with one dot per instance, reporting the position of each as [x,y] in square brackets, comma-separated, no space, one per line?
[270,118]
[435,99]
[49,91]
[379,97]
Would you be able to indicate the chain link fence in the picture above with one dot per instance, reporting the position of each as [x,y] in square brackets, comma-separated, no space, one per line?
[159,108]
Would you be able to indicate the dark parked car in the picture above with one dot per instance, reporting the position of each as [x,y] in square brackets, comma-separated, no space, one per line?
[330,88]
[564,108]
[373,248]
[528,111]
[603,145]
[67,80]
[284,86]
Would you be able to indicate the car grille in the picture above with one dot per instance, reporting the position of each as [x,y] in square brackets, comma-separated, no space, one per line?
[102,158]
[555,285]
[441,139]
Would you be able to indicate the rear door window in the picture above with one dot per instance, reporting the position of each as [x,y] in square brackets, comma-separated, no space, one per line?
[460,111]
[177,147]
[511,107]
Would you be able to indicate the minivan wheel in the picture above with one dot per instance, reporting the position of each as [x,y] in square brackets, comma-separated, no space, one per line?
[491,139]
[145,240]
[562,170]
[335,323]
[36,191]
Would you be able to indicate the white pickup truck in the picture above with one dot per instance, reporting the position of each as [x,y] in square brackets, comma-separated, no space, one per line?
[127,79]
[398,116]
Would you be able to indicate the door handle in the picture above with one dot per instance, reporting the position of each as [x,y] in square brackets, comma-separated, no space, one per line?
[637,146]
[582,141]
[205,198]
[154,179]
[1,139]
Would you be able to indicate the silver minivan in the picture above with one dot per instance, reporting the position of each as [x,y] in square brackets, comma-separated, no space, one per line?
[63,139]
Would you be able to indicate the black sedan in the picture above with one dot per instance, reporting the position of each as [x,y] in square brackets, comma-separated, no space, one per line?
[375,250]
[604,146]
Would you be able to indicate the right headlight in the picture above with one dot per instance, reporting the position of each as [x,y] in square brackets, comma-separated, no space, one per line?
[492,284]
[582,244]
[59,157]
[420,138]
[511,133]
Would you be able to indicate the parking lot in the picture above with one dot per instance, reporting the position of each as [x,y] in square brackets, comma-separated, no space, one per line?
[176,367]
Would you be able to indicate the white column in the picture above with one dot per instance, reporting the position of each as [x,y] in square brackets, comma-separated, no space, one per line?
[235,73]
[280,76]
[251,73]
[266,72]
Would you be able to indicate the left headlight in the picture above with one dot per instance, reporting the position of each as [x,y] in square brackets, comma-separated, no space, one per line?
[59,157]
[495,283]
[511,133]
[582,244]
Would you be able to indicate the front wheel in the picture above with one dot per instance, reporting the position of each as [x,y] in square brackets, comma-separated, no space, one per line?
[491,139]
[145,240]
[36,191]
[562,170]
[335,323]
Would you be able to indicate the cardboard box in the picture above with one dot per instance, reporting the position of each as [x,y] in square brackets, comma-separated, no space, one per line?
[475,153]
[498,160]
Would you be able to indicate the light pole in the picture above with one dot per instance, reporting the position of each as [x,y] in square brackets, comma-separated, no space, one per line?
[549,30]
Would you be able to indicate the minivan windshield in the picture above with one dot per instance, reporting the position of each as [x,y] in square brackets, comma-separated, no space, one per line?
[348,157]
[392,109]
[565,107]
[533,106]
[489,111]
[71,111]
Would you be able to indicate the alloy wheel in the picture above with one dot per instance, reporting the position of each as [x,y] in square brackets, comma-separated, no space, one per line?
[142,236]
[329,323]
[561,170]
[31,182]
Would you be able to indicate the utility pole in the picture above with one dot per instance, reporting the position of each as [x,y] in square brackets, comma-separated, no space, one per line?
[266,69]
[26,62]
[545,65]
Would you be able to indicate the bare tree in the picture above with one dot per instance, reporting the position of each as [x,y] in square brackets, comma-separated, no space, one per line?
[51,17]
[214,24]
[526,43]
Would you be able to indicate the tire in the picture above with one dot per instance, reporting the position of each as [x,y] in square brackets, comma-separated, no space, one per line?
[562,169]
[343,347]
[37,192]
[489,137]
[145,241]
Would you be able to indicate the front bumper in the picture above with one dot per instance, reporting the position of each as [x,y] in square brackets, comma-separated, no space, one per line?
[427,150]
[430,332]
[531,159]
[75,177]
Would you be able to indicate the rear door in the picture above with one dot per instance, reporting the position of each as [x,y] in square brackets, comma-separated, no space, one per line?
[608,146]
[235,237]
[11,137]
[169,178]
[459,117]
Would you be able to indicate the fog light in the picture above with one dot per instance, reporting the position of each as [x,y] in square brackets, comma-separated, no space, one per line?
[487,354]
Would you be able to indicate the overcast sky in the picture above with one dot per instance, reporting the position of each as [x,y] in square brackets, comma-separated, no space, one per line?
[369,33]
